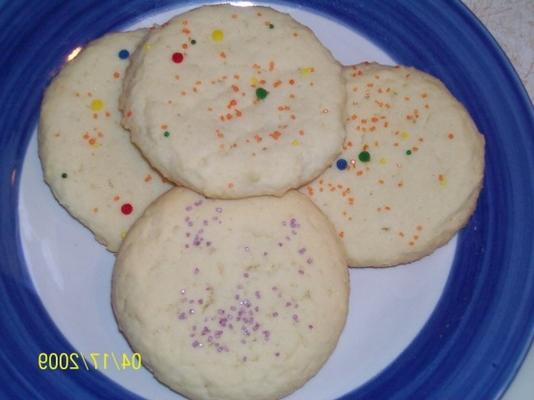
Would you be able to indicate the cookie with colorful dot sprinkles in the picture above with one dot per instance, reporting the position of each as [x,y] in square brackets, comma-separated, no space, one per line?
[411,168]
[231,299]
[235,101]
[88,161]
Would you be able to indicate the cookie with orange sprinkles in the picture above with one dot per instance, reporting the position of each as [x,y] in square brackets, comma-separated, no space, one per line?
[88,161]
[235,101]
[411,168]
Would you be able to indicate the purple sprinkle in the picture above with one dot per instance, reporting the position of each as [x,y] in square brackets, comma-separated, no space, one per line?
[230,326]
[245,359]
[236,297]
[200,301]
[295,318]
[196,271]
[247,249]
[208,244]
[265,253]
[256,327]
[186,246]
[275,314]
[218,334]
[309,260]
[196,344]
[245,331]
[266,335]
[222,322]
[191,311]
[233,308]
[210,339]
[257,294]
[280,244]
[194,328]
[288,304]
[188,208]
[302,251]
[220,311]
[182,291]
[181,316]
[197,203]
[288,238]
[188,234]
[246,275]
[205,331]
[190,223]
[256,309]
[310,326]
[205,222]
[218,209]
[293,223]
[191,301]
[276,354]
[301,272]
[274,288]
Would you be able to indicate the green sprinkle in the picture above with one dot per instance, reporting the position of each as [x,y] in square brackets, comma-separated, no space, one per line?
[193,41]
[408,152]
[364,156]
[271,26]
[64,175]
[261,93]
[166,134]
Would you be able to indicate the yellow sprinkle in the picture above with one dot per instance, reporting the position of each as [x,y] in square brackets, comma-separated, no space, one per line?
[253,81]
[404,135]
[383,161]
[97,105]
[123,234]
[217,35]
[147,47]
[442,180]
[74,53]
[305,70]
[295,143]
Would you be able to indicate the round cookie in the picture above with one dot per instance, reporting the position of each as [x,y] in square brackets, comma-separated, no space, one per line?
[231,299]
[88,160]
[411,168]
[235,102]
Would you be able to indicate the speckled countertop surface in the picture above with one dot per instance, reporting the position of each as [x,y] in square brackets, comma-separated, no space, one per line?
[511,22]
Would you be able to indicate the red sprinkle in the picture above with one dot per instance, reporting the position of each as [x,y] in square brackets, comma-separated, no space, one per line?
[177,58]
[126,208]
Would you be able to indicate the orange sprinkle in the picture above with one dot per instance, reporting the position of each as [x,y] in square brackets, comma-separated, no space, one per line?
[341,234]
[277,83]
[291,81]
[230,185]
[271,65]
[419,228]
[229,116]
[411,243]
[117,75]
[163,126]
[301,132]
[92,141]
[231,103]
[235,88]
[116,198]
[184,46]
[186,31]
[222,54]
[148,178]
[238,113]
[258,138]
[275,135]
[451,136]
[95,210]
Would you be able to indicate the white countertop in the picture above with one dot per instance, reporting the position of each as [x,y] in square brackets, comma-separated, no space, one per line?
[511,22]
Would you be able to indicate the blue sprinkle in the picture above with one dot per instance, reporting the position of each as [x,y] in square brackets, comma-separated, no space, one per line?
[124,54]
[341,164]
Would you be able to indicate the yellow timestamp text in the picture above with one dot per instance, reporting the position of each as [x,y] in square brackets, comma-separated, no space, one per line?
[90,361]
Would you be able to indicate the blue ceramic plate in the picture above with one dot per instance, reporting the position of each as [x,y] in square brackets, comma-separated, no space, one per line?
[455,325]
